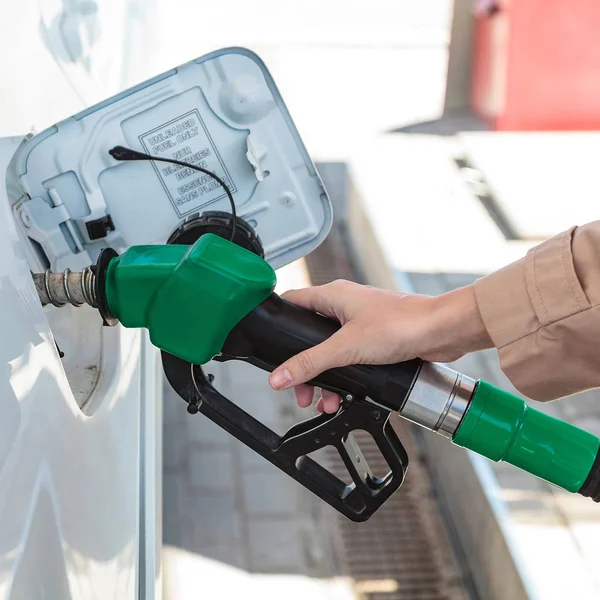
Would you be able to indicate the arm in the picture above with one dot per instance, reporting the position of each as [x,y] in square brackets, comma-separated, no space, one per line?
[542,313]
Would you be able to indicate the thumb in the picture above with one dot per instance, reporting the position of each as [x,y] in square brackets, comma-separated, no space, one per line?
[305,366]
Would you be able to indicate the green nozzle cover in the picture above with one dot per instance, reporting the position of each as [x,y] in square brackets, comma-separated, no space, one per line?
[502,426]
[188,297]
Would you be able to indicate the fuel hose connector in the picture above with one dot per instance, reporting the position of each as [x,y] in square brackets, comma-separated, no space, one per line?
[439,399]
[503,427]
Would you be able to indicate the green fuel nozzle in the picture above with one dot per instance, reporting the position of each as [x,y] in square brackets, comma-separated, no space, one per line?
[188,297]
[214,299]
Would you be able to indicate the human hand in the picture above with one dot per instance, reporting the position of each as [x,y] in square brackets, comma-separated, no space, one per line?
[380,327]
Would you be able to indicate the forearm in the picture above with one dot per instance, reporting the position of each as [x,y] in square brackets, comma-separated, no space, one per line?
[456,326]
[542,313]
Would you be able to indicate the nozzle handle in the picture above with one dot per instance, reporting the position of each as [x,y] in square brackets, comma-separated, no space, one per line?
[277,330]
[496,424]
[502,426]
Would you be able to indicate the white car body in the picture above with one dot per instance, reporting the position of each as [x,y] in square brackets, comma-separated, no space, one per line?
[80,438]
[80,434]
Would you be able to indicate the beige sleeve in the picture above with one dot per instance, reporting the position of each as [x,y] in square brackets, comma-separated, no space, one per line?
[543,315]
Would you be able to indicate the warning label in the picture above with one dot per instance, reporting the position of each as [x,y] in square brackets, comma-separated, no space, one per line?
[187,139]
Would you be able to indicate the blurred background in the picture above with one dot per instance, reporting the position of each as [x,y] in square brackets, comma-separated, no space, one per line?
[452,136]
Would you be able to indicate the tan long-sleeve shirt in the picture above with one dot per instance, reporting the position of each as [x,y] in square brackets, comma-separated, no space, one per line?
[543,315]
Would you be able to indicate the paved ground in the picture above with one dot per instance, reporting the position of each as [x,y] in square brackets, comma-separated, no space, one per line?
[232,522]
[428,216]
[226,502]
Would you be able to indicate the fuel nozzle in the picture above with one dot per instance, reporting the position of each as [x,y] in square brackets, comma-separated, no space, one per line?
[83,288]
[215,299]
[188,297]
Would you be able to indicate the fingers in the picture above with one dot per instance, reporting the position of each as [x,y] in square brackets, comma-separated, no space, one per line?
[330,401]
[333,352]
[322,299]
[304,395]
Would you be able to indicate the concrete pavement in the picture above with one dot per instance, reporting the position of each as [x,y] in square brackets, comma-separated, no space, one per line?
[430,222]
[233,523]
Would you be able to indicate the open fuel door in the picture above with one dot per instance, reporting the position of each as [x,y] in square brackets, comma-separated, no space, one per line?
[222,112]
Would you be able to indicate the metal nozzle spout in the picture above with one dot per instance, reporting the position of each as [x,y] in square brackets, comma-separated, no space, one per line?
[79,289]
[60,289]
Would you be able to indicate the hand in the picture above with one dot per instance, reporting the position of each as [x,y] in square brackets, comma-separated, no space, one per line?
[380,327]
